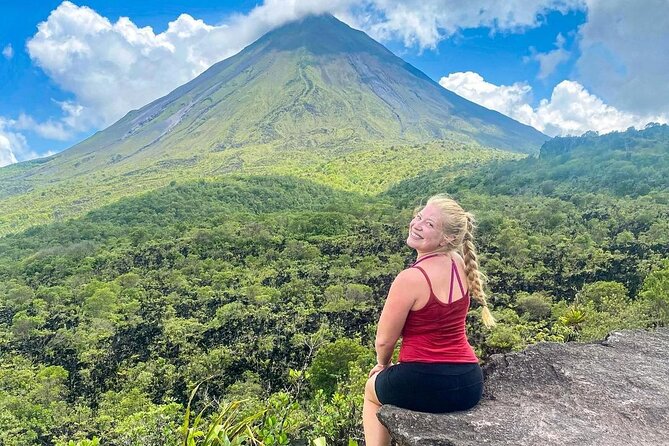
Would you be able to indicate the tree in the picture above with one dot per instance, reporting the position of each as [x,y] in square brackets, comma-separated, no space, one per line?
[655,294]
[535,306]
[607,296]
[331,363]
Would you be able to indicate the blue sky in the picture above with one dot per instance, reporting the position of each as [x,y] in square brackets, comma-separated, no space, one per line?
[562,66]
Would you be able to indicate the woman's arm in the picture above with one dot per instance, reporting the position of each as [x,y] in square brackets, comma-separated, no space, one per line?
[401,298]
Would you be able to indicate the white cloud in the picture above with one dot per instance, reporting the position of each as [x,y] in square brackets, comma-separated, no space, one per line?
[624,47]
[112,68]
[8,51]
[422,23]
[6,153]
[74,119]
[13,146]
[571,110]
[426,22]
[511,100]
[549,61]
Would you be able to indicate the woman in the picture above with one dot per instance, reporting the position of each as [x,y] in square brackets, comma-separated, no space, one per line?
[427,305]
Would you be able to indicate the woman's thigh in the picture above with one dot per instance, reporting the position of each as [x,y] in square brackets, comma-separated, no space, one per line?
[370,389]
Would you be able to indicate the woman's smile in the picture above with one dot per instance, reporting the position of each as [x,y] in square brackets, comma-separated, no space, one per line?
[425,230]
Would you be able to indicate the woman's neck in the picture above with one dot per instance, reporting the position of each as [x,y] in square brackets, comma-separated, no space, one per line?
[422,255]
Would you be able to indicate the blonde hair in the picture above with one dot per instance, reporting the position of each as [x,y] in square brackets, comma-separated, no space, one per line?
[459,226]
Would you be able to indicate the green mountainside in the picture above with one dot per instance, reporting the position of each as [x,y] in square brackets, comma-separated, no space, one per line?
[369,170]
[302,97]
[633,163]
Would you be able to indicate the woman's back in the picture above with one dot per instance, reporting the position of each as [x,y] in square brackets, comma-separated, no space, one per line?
[440,279]
[434,332]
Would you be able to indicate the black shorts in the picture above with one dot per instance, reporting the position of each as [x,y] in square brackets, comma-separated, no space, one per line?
[435,388]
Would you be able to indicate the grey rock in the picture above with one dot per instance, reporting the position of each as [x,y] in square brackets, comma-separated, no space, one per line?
[608,393]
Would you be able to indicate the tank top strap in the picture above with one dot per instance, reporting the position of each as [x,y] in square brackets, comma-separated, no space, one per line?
[454,272]
[429,283]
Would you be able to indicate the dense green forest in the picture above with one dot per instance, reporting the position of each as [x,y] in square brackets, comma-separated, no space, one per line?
[28,199]
[266,290]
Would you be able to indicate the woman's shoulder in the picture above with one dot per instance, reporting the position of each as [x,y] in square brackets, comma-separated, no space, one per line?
[409,283]
[409,277]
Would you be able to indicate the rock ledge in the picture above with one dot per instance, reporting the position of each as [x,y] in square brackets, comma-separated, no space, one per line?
[609,393]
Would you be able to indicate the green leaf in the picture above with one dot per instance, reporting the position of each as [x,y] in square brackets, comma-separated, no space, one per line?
[320,441]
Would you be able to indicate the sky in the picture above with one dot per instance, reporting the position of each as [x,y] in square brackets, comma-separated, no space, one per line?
[69,69]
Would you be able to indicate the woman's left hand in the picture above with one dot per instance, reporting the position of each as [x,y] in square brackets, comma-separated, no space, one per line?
[377,368]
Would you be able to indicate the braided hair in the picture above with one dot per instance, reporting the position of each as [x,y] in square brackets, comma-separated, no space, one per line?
[459,227]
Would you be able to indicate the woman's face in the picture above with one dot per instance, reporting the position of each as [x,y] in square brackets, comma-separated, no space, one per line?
[426,230]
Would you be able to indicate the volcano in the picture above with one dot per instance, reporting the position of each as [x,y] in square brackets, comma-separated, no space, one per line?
[311,83]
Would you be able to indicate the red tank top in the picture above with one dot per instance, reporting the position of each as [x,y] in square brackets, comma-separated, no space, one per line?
[436,332]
